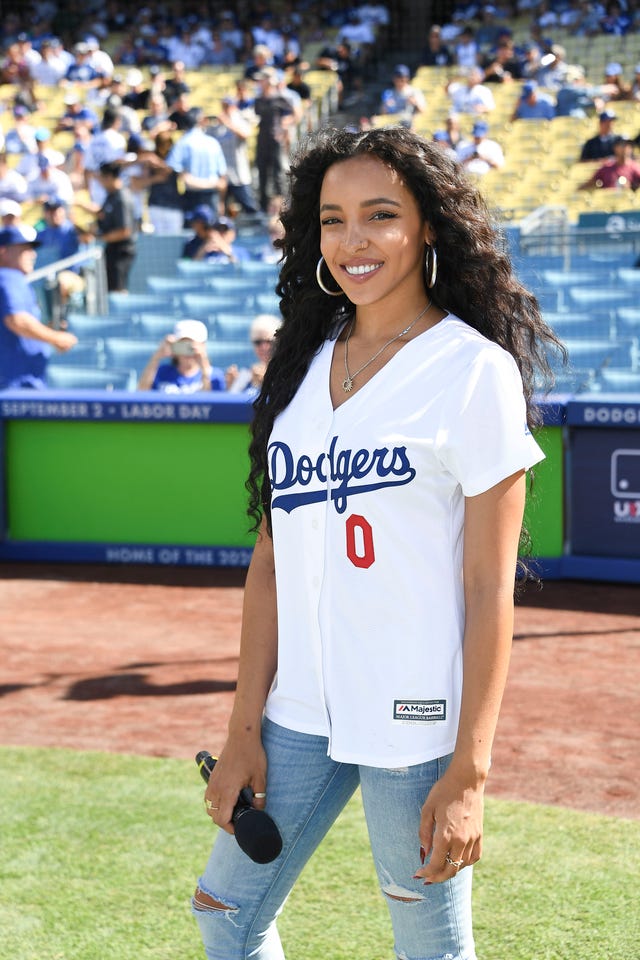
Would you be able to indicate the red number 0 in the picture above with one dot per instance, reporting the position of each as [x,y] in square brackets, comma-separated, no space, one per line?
[360,541]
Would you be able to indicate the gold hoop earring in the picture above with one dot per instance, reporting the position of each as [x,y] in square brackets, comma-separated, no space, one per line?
[431,266]
[330,293]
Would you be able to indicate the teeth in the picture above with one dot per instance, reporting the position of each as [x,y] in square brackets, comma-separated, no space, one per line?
[360,270]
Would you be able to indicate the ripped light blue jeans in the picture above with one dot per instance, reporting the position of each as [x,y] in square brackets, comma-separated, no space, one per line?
[306,790]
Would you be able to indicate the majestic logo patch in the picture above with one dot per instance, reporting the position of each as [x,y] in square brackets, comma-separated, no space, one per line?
[429,710]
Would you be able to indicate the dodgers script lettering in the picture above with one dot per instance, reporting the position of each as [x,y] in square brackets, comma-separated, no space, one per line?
[384,467]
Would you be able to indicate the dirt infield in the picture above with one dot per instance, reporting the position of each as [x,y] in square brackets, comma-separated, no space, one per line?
[102,659]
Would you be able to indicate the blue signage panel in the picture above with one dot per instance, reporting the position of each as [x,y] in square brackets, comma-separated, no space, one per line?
[604,500]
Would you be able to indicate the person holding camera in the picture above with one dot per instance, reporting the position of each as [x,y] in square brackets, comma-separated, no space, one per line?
[188,369]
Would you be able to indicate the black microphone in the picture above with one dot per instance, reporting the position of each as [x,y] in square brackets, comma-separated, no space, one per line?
[255,831]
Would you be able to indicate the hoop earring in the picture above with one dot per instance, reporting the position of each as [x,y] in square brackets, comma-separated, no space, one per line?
[330,293]
[431,266]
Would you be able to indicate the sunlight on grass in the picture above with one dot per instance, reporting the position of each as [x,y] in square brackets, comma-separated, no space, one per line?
[99,854]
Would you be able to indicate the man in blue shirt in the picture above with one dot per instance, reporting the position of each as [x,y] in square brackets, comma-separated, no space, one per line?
[25,342]
[199,162]
[534,104]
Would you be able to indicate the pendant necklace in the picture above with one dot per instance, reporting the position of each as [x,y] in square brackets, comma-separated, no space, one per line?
[347,383]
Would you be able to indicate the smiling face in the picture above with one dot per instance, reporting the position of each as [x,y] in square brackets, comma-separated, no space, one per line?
[372,234]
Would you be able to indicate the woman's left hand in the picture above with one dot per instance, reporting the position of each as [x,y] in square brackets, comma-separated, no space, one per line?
[451,827]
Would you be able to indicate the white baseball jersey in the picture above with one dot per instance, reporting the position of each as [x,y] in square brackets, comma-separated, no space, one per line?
[367,514]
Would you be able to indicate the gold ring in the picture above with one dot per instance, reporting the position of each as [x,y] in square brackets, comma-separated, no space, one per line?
[209,805]
[260,796]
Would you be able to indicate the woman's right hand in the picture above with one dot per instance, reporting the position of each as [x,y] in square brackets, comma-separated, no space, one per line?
[241,764]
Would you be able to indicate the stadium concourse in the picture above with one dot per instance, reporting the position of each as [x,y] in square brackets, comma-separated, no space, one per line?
[144,661]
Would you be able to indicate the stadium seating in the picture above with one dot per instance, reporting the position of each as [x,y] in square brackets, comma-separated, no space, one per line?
[60,377]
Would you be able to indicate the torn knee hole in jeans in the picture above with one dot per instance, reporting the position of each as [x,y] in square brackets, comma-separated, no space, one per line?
[204,901]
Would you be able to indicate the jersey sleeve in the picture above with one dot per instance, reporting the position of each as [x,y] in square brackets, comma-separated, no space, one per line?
[484,436]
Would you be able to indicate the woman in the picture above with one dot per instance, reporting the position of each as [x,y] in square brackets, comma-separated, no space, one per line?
[262,335]
[389,451]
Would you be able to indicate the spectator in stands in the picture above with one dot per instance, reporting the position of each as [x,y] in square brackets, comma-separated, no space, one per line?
[466,49]
[188,369]
[10,213]
[615,87]
[51,67]
[157,120]
[534,104]
[214,238]
[403,100]
[21,137]
[261,58]
[176,83]
[635,86]
[106,146]
[616,20]
[299,86]
[275,114]
[99,59]
[164,200]
[76,112]
[49,182]
[81,72]
[199,162]
[441,140]
[471,96]
[501,64]
[13,185]
[453,129]
[483,154]
[575,98]
[232,130]
[183,113]
[28,163]
[248,380]
[116,227]
[621,172]
[601,146]
[25,342]
[341,60]
[59,240]
[488,30]
[360,36]
[219,53]
[436,53]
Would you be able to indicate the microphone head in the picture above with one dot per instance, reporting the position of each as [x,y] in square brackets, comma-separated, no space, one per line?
[257,835]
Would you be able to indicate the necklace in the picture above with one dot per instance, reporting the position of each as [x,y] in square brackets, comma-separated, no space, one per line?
[347,383]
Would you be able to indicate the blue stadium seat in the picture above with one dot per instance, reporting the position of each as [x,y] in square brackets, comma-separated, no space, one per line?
[578,324]
[590,298]
[85,325]
[233,326]
[173,285]
[190,269]
[156,325]
[620,381]
[89,353]
[629,276]
[129,303]
[268,303]
[60,377]
[629,317]
[258,268]
[222,353]
[576,380]
[599,352]
[243,286]
[204,305]
[130,354]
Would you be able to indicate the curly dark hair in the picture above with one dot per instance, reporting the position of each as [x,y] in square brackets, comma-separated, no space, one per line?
[475,277]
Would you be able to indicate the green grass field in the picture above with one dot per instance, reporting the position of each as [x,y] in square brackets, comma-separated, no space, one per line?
[99,854]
